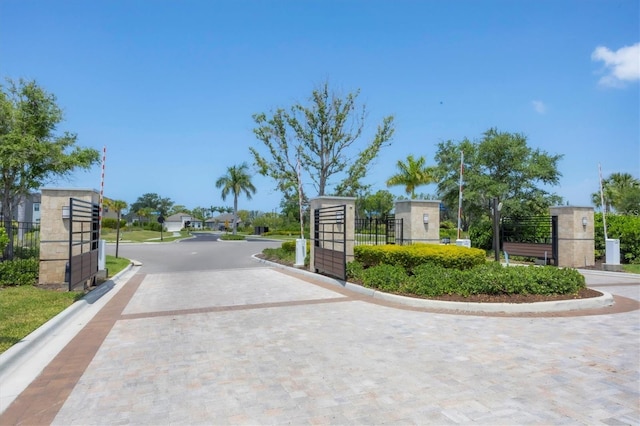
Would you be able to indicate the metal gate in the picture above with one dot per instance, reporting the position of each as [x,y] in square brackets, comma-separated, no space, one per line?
[374,231]
[329,240]
[84,225]
[534,236]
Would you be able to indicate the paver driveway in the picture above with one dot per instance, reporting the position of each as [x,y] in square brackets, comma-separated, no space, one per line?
[260,346]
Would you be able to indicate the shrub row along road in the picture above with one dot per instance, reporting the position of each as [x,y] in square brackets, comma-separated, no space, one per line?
[203,334]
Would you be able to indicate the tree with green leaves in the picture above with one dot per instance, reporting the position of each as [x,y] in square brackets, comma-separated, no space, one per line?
[412,173]
[154,203]
[236,181]
[376,205]
[621,193]
[117,206]
[501,165]
[32,152]
[323,136]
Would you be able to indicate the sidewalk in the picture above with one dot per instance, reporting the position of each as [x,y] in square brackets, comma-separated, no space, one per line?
[256,346]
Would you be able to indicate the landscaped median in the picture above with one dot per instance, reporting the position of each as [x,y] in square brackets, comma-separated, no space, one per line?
[460,278]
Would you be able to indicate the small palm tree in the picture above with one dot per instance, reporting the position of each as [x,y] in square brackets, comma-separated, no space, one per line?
[614,189]
[118,206]
[411,174]
[237,180]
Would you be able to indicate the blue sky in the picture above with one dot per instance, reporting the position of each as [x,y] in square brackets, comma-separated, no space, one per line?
[169,87]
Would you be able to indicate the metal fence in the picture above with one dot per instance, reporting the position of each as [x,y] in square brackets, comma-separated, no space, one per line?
[374,231]
[22,241]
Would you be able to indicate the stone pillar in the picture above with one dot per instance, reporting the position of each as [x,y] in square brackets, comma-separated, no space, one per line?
[349,223]
[54,231]
[420,220]
[576,244]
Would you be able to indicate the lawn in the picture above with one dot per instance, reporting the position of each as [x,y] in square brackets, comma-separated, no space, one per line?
[632,268]
[25,308]
[142,236]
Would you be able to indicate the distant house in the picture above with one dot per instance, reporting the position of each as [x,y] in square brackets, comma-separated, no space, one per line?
[223,222]
[177,221]
[27,210]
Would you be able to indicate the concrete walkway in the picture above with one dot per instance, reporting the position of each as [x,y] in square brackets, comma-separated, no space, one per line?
[265,346]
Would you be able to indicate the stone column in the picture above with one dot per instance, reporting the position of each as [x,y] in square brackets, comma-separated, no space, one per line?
[349,223]
[420,220]
[54,231]
[576,244]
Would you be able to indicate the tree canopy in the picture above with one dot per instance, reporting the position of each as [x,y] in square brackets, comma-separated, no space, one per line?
[32,152]
[621,193]
[323,136]
[151,202]
[501,165]
[236,181]
[412,173]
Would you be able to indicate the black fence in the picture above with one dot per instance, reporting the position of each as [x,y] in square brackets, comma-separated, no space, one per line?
[21,240]
[374,231]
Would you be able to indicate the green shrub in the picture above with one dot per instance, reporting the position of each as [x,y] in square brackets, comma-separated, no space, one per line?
[26,252]
[4,240]
[289,246]
[112,223]
[388,278]
[449,256]
[19,272]
[626,228]
[481,235]
[232,237]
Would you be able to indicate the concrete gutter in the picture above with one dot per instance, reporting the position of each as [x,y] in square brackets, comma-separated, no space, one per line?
[553,306]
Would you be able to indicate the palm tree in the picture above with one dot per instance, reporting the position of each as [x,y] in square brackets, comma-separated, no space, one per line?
[411,174]
[118,206]
[615,188]
[237,181]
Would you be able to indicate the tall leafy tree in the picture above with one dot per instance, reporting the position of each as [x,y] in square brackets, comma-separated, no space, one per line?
[236,181]
[378,204]
[412,173]
[32,151]
[323,136]
[153,202]
[621,193]
[117,206]
[501,165]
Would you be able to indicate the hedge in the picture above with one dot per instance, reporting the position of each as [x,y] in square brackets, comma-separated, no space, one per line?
[408,257]
[19,272]
[430,280]
[626,228]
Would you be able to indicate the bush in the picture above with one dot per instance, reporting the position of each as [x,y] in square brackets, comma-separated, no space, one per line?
[626,228]
[290,246]
[449,256]
[430,280]
[112,223]
[231,237]
[26,252]
[481,235]
[19,272]
[4,240]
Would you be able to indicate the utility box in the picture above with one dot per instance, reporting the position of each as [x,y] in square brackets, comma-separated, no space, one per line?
[612,251]
[463,242]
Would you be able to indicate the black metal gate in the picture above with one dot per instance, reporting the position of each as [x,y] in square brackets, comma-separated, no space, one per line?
[533,236]
[374,231]
[84,225]
[329,241]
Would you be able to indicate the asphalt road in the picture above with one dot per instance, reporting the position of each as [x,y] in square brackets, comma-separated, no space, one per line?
[203,252]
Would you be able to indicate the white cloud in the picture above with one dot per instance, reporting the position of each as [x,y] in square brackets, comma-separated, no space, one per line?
[622,66]
[539,107]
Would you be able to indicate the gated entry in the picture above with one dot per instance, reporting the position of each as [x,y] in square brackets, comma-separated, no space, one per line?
[534,236]
[329,241]
[83,242]
[374,231]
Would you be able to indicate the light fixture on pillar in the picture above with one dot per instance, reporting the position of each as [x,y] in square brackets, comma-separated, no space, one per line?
[66,214]
[425,218]
[584,221]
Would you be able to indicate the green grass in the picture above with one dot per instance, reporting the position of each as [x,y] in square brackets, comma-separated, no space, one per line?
[115,265]
[25,308]
[632,268]
[141,236]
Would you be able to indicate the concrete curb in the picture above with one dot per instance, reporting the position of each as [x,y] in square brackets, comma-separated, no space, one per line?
[20,355]
[553,306]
